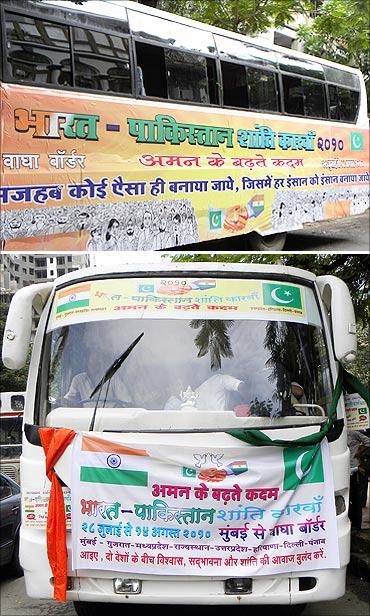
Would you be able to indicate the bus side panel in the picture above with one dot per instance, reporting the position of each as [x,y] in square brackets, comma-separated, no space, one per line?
[100,173]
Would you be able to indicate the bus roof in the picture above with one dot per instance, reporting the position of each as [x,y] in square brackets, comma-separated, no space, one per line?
[210,267]
[110,8]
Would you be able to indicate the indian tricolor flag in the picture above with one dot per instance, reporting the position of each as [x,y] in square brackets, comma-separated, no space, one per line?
[103,461]
[74,297]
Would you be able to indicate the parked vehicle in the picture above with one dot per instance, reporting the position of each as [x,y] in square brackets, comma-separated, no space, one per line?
[10,522]
[11,419]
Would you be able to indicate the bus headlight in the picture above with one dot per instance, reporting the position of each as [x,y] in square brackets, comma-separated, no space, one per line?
[126,586]
[238,586]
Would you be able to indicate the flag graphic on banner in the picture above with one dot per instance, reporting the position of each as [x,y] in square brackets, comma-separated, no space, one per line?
[255,206]
[237,467]
[105,462]
[302,465]
[275,294]
[72,298]
[215,219]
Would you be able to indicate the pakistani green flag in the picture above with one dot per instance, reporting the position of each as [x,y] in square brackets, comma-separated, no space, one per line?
[275,294]
[302,465]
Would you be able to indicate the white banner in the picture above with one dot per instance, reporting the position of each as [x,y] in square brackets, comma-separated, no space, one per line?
[188,510]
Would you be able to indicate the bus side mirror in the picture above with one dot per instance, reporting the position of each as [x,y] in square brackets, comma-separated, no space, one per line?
[18,327]
[336,297]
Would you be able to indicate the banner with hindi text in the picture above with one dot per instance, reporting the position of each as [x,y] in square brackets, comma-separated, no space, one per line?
[97,173]
[182,509]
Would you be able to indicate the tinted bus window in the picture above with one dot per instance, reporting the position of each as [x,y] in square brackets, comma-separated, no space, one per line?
[186,76]
[343,103]
[314,95]
[171,33]
[234,82]
[101,61]
[301,67]
[262,90]
[175,74]
[151,70]
[304,97]
[342,78]
[231,49]
[37,51]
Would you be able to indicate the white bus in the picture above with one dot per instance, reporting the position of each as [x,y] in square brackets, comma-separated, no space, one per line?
[170,377]
[130,128]
[11,419]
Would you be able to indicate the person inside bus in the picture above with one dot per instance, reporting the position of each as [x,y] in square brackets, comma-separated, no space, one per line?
[83,384]
[214,394]
[297,395]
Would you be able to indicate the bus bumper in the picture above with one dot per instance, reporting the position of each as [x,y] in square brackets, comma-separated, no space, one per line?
[283,589]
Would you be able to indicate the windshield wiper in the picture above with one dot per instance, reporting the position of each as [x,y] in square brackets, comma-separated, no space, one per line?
[110,372]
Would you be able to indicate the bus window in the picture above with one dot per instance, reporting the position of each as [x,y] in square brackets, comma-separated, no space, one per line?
[37,50]
[343,103]
[314,99]
[101,61]
[186,76]
[334,109]
[231,49]
[212,82]
[304,97]
[150,59]
[301,67]
[170,33]
[175,74]
[342,77]
[262,89]
[234,81]
[293,95]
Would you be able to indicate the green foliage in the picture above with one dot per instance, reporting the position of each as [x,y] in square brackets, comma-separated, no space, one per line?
[340,32]
[243,16]
[10,380]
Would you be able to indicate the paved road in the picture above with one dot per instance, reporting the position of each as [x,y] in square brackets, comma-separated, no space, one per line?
[14,602]
[342,235]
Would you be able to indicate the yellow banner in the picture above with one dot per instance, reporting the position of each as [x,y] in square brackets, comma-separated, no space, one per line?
[185,298]
[104,173]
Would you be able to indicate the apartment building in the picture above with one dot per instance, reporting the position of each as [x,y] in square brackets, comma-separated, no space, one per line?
[20,270]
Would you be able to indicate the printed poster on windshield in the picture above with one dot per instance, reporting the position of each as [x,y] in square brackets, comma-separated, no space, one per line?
[195,510]
[213,298]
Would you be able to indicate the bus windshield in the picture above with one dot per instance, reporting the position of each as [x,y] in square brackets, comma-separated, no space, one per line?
[264,367]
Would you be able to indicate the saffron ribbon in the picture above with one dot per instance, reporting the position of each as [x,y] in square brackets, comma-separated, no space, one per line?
[55,441]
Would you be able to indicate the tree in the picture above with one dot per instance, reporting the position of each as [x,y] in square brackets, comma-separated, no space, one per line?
[213,338]
[340,32]
[243,16]
[10,380]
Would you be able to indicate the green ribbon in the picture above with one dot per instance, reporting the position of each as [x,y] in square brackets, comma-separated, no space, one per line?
[345,381]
